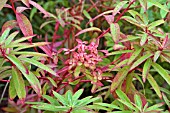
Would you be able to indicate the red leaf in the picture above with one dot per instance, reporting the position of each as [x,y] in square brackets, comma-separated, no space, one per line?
[46,50]
[9,24]
[24,24]
[39,8]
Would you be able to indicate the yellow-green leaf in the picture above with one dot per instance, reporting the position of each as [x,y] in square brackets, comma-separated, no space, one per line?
[19,83]
[161,71]
[120,76]
[115,31]
[141,60]
[40,65]
[154,85]
[146,69]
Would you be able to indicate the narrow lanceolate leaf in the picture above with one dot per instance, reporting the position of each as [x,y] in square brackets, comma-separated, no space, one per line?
[146,69]
[50,107]
[122,95]
[2,4]
[12,91]
[4,35]
[39,8]
[19,84]
[166,100]
[11,37]
[143,39]
[156,55]
[132,21]
[60,98]
[28,53]
[38,64]
[120,76]
[9,24]
[140,60]
[157,4]
[77,71]
[162,72]
[134,55]
[115,31]
[155,24]
[154,85]
[26,2]
[118,7]
[24,24]
[28,74]
[87,30]
[143,3]
[138,101]
[120,52]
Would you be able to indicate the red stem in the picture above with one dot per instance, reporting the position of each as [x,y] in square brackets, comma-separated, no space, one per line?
[13,7]
[119,17]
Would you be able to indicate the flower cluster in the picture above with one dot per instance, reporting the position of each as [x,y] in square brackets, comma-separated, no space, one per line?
[86,55]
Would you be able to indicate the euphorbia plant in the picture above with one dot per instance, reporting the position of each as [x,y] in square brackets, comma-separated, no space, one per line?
[115,50]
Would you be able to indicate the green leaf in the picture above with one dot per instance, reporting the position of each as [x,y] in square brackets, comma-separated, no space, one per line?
[83,101]
[120,76]
[146,69]
[28,53]
[86,101]
[107,105]
[120,52]
[19,84]
[87,30]
[118,7]
[140,60]
[52,81]
[130,38]
[157,4]
[51,100]
[154,107]
[166,100]
[129,105]
[60,98]
[120,112]
[143,39]
[122,95]
[77,71]
[132,21]
[49,107]
[2,4]
[156,55]
[162,72]
[4,35]
[143,4]
[78,94]
[28,74]
[40,65]
[138,101]
[12,90]
[115,31]
[98,107]
[22,39]
[155,24]
[11,37]
[134,55]
[163,13]
[68,96]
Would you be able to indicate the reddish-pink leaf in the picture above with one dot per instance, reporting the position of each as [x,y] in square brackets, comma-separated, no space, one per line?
[26,2]
[24,24]
[39,8]
[21,9]
[109,18]
[9,24]
[46,50]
